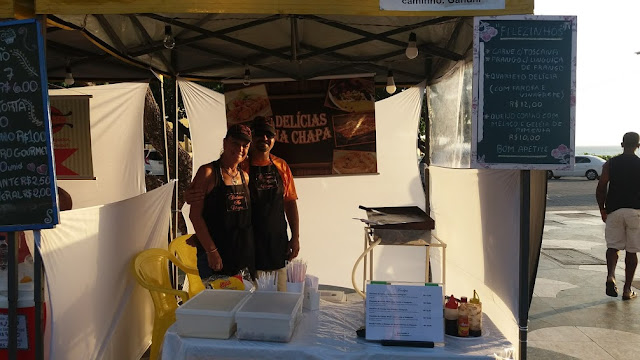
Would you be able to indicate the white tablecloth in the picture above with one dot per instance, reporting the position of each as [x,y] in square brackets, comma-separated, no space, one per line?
[330,333]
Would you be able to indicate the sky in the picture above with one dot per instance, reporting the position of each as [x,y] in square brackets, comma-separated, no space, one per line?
[608,70]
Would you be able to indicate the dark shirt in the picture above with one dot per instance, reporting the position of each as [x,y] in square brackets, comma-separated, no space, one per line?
[624,183]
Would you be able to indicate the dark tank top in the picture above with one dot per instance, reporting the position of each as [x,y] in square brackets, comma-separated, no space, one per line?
[624,183]
[227,213]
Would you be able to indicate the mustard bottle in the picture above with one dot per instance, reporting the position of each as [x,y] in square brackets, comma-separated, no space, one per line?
[475,316]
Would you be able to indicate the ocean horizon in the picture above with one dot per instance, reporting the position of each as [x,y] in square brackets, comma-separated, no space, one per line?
[598,150]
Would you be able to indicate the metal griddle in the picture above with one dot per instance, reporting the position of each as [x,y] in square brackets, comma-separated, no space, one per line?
[402,225]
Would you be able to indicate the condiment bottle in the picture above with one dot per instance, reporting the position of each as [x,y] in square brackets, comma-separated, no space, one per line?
[451,317]
[475,315]
[463,317]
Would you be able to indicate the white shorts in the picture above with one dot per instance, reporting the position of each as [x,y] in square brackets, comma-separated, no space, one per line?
[622,231]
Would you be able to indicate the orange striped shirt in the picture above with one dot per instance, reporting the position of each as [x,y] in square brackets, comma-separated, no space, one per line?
[285,173]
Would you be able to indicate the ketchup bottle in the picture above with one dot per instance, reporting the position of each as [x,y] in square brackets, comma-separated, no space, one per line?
[451,317]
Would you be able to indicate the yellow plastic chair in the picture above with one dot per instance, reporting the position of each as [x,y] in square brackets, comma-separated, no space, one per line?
[187,262]
[151,269]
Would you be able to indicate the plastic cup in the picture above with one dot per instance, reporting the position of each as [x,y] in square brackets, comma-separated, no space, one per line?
[295,287]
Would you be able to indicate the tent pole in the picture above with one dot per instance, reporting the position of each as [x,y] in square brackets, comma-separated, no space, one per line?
[175,133]
[166,144]
[38,269]
[12,286]
[523,303]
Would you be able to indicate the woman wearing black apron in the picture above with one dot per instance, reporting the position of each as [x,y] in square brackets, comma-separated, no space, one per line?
[222,221]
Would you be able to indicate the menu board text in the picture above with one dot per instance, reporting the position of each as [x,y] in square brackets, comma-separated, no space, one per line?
[524,92]
[27,183]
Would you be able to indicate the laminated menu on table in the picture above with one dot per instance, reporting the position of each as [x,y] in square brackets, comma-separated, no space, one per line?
[404,312]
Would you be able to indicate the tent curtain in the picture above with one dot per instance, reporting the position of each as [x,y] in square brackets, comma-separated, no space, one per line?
[97,309]
[206,112]
[477,214]
[538,207]
[117,144]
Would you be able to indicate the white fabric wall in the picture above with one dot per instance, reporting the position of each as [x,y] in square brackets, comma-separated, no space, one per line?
[98,311]
[477,214]
[117,143]
[330,239]
[207,121]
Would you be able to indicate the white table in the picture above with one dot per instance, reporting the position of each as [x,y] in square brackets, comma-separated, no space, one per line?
[329,333]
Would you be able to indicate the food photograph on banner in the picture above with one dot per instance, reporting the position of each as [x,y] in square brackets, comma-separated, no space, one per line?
[323,127]
[70,127]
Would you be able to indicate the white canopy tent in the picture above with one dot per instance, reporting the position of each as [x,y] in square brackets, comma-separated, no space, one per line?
[302,45]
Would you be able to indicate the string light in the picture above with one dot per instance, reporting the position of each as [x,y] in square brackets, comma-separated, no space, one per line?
[391,83]
[68,78]
[412,50]
[169,41]
[247,77]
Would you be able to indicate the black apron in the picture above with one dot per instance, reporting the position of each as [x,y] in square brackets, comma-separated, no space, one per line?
[227,213]
[268,217]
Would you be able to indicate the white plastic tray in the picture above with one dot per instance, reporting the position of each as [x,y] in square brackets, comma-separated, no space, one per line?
[210,314]
[269,316]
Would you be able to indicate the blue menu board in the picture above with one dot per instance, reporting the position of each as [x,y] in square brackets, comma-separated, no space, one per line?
[28,198]
[524,92]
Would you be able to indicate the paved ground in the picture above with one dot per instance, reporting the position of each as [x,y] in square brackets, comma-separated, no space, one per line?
[570,193]
[570,316]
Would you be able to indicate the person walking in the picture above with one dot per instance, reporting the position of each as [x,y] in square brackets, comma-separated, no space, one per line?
[618,196]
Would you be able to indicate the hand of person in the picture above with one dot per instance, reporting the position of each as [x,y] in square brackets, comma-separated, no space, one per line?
[294,248]
[603,214]
[193,195]
[214,260]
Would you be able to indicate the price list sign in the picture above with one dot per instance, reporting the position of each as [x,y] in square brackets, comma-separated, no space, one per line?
[404,312]
[27,177]
[524,88]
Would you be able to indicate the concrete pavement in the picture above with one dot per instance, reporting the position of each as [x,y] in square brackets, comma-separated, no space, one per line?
[571,317]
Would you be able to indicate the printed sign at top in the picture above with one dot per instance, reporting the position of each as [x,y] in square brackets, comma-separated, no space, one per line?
[27,178]
[524,90]
[441,5]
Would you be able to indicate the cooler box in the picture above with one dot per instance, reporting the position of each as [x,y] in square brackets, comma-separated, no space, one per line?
[210,314]
[269,316]
[26,328]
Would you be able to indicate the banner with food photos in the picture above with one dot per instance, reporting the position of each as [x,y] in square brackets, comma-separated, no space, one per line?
[323,127]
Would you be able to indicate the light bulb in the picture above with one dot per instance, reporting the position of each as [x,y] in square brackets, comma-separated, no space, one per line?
[412,50]
[391,84]
[247,77]
[68,79]
[169,41]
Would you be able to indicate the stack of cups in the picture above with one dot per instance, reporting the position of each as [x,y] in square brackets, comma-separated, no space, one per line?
[311,299]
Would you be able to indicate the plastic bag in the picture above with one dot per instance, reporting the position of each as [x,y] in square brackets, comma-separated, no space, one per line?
[235,282]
